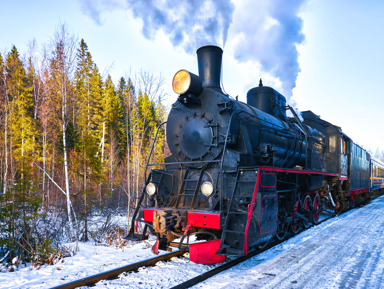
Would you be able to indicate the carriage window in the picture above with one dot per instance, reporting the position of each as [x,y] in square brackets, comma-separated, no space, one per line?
[332,144]
[344,146]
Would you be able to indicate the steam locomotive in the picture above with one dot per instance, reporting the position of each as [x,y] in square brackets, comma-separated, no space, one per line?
[240,173]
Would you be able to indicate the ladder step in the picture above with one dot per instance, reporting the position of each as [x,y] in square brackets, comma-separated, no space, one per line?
[233,212]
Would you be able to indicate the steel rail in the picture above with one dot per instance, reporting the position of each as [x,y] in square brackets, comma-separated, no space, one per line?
[204,276]
[113,274]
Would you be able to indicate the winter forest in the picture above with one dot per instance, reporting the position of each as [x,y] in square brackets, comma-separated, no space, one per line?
[73,144]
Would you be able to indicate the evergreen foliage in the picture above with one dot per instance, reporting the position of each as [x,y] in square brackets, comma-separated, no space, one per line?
[56,113]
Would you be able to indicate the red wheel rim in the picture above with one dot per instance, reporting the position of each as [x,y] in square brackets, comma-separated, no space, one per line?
[307,203]
[316,208]
[307,208]
[295,225]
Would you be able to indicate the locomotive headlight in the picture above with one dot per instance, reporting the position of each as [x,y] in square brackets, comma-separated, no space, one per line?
[207,189]
[151,189]
[186,82]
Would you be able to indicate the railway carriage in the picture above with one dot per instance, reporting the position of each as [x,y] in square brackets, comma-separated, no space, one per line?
[240,173]
[376,175]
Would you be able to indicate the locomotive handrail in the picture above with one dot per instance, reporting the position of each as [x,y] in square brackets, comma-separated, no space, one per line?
[222,157]
[153,145]
[146,180]
[305,133]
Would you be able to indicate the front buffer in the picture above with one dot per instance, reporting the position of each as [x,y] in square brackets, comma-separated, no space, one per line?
[171,224]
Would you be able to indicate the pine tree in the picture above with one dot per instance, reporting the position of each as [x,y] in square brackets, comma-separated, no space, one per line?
[20,200]
[4,127]
[88,89]
[113,114]
[20,93]
[126,92]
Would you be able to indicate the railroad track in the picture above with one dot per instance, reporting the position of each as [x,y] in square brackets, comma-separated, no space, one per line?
[202,277]
[113,274]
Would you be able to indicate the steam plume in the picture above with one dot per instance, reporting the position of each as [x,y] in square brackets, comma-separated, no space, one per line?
[189,23]
[264,31]
[268,32]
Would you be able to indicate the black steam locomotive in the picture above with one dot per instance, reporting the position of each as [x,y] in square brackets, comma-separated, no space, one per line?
[243,173]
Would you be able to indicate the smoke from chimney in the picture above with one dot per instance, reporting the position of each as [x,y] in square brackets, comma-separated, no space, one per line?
[269,34]
[189,24]
[264,31]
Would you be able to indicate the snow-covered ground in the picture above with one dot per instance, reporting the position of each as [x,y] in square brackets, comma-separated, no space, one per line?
[344,252]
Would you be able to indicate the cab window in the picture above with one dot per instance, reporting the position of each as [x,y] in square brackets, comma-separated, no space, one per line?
[332,144]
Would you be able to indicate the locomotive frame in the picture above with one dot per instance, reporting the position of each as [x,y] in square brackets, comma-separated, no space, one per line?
[243,173]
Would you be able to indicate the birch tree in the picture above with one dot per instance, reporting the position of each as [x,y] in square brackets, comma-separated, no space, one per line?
[61,97]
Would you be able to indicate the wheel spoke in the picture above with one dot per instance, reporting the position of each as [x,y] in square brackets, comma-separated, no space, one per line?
[307,208]
[316,209]
[296,224]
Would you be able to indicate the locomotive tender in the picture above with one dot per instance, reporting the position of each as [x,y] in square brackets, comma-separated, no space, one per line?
[240,173]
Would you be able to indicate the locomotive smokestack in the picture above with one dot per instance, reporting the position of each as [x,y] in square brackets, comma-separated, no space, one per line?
[209,62]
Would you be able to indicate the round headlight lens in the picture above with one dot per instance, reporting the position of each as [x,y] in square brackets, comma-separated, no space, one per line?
[207,189]
[151,189]
[181,81]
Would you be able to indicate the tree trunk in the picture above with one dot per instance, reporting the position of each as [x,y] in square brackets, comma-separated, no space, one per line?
[45,195]
[64,110]
[6,152]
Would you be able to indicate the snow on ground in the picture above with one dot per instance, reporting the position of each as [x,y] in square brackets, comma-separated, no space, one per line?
[344,252]
[89,260]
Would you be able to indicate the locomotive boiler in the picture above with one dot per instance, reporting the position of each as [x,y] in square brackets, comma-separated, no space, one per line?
[239,173]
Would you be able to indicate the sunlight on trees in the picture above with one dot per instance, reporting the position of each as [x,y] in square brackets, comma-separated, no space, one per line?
[71,143]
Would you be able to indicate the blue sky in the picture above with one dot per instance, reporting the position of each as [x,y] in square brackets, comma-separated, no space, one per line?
[340,57]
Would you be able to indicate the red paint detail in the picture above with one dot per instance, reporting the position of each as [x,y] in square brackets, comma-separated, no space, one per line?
[307,202]
[205,252]
[316,206]
[155,247]
[261,222]
[296,209]
[148,214]
[261,183]
[204,220]
[186,229]
[296,171]
[358,191]
[343,179]
[249,216]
